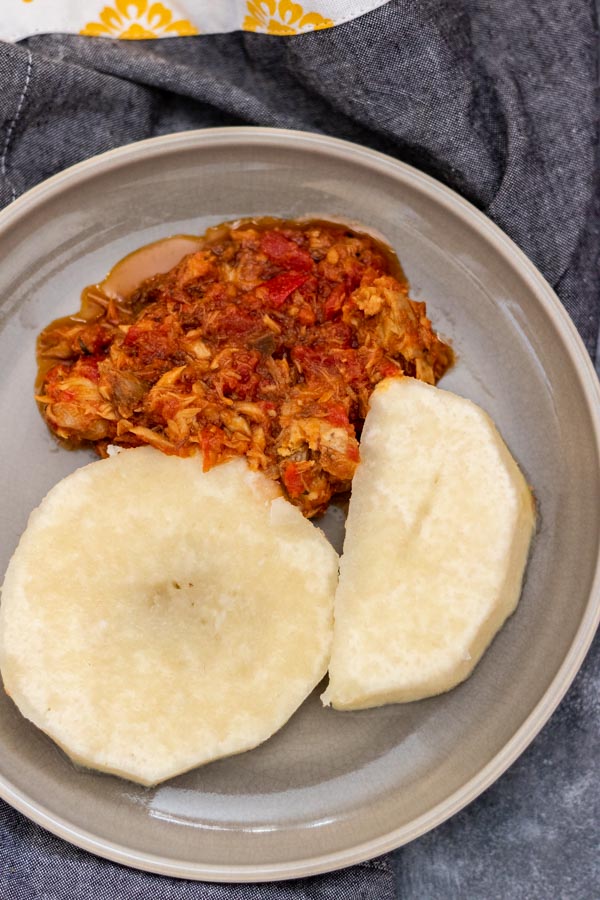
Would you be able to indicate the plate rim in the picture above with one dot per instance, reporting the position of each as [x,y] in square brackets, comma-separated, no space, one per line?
[588,383]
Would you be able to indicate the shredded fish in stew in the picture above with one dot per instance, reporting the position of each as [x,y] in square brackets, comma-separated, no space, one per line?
[266,343]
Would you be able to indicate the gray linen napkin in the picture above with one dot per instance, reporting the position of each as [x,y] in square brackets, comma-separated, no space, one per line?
[498,100]
[35,865]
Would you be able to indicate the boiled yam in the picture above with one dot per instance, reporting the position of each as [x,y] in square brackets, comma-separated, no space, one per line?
[155,617]
[437,536]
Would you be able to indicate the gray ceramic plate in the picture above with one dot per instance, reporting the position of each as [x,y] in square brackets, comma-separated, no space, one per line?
[331,788]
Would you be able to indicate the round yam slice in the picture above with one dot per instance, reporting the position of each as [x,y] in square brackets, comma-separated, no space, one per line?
[437,536]
[155,617]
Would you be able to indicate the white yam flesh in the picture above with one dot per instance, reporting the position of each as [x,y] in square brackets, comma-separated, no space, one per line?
[437,536]
[155,617]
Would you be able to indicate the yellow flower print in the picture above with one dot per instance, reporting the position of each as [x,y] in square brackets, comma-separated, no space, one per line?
[135,20]
[282,17]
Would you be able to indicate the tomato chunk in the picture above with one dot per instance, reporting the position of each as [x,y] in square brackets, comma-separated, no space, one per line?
[292,479]
[284,252]
[276,290]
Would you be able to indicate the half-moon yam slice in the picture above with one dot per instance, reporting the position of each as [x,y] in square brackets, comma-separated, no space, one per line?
[437,537]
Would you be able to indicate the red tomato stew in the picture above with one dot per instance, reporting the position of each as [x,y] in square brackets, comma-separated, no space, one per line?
[266,342]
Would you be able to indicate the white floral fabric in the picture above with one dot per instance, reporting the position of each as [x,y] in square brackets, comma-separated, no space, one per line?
[147,19]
